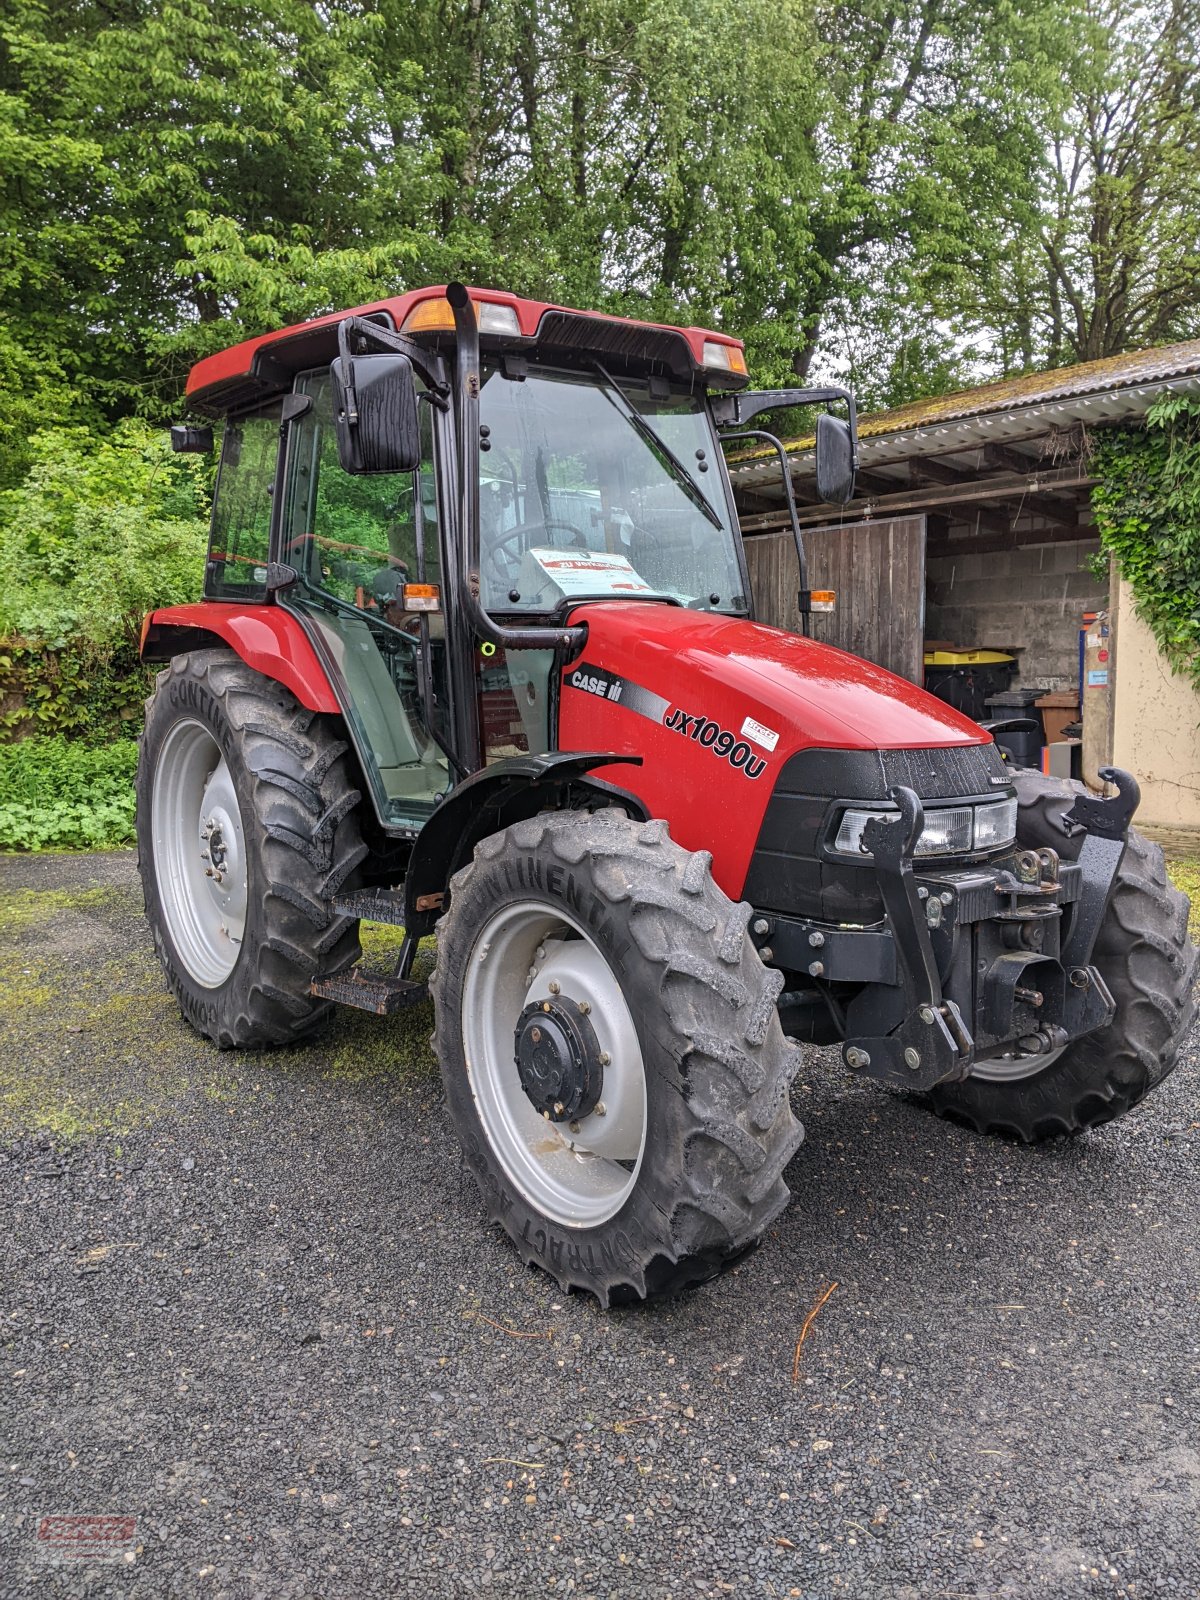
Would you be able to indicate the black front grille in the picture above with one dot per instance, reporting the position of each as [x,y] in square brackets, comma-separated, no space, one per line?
[790,871]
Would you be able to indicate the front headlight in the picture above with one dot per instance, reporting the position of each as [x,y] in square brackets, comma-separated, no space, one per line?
[948,830]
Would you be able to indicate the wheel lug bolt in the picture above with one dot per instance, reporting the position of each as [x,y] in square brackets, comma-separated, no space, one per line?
[558,1108]
[601,1109]
[584,1007]
[553,986]
[573,1126]
[546,1114]
[605,1058]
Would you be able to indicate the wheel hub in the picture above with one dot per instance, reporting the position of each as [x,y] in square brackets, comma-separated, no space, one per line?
[559,1061]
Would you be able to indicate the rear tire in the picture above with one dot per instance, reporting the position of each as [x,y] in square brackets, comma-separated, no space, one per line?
[1148,962]
[701,1178]
[236,777]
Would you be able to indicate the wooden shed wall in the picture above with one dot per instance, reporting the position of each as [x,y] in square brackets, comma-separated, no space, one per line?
[878,571]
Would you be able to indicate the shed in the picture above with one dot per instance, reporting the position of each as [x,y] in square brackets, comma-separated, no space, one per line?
[971,522]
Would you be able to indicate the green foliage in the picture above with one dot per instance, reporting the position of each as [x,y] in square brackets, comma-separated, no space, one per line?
[828,179]
[59,794]
[1147,507]
[70,691]
[98,532]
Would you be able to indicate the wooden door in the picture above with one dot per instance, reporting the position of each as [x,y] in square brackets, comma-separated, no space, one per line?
[877,569]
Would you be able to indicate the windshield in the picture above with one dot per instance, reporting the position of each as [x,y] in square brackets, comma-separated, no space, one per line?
[588,490]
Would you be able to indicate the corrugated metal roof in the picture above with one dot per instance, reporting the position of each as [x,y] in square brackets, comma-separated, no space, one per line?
[1021,410]
[1089,377]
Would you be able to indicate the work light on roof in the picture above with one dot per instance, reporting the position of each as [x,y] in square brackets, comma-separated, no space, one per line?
[429,316]
[724,357]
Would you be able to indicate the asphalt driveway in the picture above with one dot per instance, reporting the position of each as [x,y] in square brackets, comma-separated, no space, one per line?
[249,1301]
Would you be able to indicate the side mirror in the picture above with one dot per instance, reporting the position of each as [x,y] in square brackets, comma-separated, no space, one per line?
[375,413]
[187,439]
[835,460]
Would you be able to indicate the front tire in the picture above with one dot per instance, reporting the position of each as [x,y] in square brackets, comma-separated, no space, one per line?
[1148,962]
[246,826]
[670,1165]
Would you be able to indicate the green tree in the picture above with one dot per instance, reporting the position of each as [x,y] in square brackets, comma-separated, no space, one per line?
[1105,257]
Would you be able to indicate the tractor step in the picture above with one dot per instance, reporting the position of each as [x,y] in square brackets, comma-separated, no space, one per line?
[372,905]
[370,991]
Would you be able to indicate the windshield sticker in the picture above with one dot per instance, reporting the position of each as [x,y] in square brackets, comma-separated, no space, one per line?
[606,685]
[766,737]
[590,572]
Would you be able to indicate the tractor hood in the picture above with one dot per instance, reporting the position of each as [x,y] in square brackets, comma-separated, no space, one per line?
[817,695]
[716,705]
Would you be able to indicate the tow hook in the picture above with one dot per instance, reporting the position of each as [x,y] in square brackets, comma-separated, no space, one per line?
[933,1043]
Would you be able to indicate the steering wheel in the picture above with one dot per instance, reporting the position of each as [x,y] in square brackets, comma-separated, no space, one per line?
[511,535]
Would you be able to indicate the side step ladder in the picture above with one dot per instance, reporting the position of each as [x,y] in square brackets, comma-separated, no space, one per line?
[379,992]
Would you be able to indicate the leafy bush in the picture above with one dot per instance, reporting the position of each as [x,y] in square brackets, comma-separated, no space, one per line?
[100,530]
[59,794]
[1147,507]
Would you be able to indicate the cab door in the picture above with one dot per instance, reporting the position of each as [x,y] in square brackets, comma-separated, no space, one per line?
[354,541]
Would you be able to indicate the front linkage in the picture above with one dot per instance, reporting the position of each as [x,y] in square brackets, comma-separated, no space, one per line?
[974,963]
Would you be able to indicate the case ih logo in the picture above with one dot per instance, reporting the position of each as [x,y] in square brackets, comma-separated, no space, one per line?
[593,680]
[80,1537]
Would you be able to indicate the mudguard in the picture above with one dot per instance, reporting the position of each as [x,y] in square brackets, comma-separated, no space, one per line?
[489,800]
[267,638]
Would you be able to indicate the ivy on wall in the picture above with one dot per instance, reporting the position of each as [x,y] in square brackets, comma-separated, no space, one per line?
[1147,507]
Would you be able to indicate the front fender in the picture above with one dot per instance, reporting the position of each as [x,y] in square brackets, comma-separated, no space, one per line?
[491,799]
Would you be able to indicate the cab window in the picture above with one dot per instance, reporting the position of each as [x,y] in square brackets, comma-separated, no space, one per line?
[241,520]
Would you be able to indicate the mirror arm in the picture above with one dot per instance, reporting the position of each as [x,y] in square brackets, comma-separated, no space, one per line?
[467,386]
[431,367]
[790,496]
[731,410]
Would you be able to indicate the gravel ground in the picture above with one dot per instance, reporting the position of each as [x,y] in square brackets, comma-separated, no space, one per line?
[250,1301]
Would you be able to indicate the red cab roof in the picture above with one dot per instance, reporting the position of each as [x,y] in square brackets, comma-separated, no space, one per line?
[257,368]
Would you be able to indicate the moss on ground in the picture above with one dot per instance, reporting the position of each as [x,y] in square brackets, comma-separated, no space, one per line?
[1184,872]
[23,909]
[91,1042]
[396,1048]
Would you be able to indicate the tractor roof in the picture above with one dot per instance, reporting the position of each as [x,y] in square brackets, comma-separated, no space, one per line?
[253,371]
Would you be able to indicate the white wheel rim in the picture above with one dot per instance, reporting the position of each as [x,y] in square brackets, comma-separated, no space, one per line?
[579,1179]
[1005,1069]
[199,853]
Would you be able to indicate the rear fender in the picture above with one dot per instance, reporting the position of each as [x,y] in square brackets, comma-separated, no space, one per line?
[494,798]
[266,637]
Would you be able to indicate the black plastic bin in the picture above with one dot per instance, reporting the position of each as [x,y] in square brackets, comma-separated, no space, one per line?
[1023,738]
[967,686]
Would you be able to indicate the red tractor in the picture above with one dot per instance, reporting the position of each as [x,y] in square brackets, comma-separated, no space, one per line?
[477,654]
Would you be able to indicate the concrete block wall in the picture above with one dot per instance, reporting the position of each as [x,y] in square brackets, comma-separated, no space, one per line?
[1031,599]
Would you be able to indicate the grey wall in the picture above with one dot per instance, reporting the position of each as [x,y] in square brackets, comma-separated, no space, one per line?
[1032,597]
